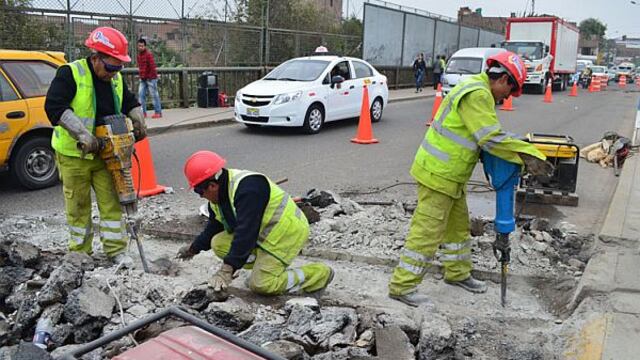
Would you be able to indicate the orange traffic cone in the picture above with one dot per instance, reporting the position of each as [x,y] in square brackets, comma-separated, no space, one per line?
[507,105]
[436,104]
[548,98]
[144,176]
[622,82]
[365,133]
[591,88]
[603,83]
[574,89]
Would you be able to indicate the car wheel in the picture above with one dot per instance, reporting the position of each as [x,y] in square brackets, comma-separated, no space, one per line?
[376,110]
[314,120]
[33,165]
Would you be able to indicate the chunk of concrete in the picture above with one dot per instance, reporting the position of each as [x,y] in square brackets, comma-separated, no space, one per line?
[233,315]
[287,349]
[11,276]
[21,253]
[28,351]
[393,343]
[262,333]
[436,338]
[64,279]
[88,304]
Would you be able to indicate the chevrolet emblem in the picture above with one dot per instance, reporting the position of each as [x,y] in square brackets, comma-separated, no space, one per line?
[253,100]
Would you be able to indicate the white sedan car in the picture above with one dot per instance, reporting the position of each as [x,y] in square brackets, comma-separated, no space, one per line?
[309,91]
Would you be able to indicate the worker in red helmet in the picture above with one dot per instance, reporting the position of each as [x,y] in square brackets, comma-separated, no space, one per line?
[253,224]
[465,125]
[80,96]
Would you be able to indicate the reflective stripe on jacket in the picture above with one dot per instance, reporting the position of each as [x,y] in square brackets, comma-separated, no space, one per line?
[84,106]
[451,146]
[282,224]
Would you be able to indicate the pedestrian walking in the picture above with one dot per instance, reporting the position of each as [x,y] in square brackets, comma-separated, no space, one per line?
[81,95]
[420,69]
[148,79]
[438,69]
[465,125]
[253,224]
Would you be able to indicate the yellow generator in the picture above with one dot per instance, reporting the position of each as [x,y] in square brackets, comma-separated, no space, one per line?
[560,188]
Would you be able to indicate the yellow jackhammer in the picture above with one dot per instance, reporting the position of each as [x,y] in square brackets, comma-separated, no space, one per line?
[116,148]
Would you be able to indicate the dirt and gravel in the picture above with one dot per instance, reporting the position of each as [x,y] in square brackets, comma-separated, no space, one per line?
[87,297]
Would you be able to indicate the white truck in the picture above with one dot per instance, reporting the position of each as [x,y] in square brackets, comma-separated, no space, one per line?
[548,46]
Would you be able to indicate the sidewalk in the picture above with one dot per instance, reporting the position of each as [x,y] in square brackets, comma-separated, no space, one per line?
[614,273]
[194,117]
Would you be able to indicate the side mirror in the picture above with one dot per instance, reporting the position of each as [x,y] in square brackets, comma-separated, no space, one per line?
[336,80]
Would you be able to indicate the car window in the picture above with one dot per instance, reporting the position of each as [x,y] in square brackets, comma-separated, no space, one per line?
[464,66]
[362,70]
[298,70]
[342,69]
[32,78]
[6,91]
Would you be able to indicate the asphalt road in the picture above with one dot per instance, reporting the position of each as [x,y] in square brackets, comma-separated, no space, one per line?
[330,161]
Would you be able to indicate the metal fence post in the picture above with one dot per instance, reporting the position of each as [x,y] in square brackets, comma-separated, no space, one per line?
[184,88]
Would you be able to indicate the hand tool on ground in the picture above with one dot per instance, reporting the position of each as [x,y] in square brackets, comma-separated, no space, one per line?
[116,148]
[503,176]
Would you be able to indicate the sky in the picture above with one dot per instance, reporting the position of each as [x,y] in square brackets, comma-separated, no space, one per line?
[621,16]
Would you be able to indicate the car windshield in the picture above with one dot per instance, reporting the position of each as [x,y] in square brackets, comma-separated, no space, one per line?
[298,70]
[464,66]
[597,69]
[527,51]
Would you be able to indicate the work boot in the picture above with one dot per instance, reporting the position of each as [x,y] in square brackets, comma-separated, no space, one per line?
[470,284]
[318,293]
[412,299]
[123,260]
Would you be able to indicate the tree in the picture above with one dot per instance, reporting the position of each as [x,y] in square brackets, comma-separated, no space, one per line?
[592,28]
[23,31]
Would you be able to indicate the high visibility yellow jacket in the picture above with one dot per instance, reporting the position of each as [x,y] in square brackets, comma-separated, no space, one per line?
[465,124]
[284,228]
[84,106]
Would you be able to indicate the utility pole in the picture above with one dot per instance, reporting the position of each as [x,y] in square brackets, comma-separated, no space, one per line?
[533,7]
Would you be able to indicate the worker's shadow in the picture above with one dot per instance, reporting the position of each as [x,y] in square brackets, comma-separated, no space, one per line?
[328,127]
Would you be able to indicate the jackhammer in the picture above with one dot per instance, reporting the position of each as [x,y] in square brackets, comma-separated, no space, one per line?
[503,176]
[116,142]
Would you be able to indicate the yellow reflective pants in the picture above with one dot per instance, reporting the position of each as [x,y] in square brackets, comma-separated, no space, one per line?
[439,221]
[270,276]
[78,177]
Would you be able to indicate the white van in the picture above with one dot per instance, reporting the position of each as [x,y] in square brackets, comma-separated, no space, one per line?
[465,63]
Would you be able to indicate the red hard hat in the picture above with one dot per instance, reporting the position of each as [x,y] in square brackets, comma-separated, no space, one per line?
[109,41]
[202,165]
[514,66]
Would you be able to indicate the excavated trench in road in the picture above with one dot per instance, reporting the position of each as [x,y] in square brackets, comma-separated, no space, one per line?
[362,244]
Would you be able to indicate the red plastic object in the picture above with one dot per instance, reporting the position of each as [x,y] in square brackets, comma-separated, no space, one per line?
[187,343]
[223,100]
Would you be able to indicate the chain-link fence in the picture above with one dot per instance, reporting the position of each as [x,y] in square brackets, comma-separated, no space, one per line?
[179,33]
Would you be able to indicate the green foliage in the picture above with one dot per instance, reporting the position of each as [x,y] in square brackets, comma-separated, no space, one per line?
[22,31]
[164,56]
[592,28]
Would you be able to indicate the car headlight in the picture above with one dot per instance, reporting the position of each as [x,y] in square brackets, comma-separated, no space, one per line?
[238,96]
[285,98]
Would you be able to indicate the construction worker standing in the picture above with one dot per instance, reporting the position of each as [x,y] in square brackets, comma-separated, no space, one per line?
[253,224]
[80,96]
[465,124]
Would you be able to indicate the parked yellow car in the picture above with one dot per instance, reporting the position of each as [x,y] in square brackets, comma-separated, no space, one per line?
[25,130]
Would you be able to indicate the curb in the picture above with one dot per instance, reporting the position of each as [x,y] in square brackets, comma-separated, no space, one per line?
[613,228]
[228,120]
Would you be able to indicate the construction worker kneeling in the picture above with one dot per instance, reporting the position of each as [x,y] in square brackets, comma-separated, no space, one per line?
[253,224]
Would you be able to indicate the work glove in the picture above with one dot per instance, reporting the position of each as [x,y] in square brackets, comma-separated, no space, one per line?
[185,253]
[535,166]
[86,141]
[139,126]
[222,279]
